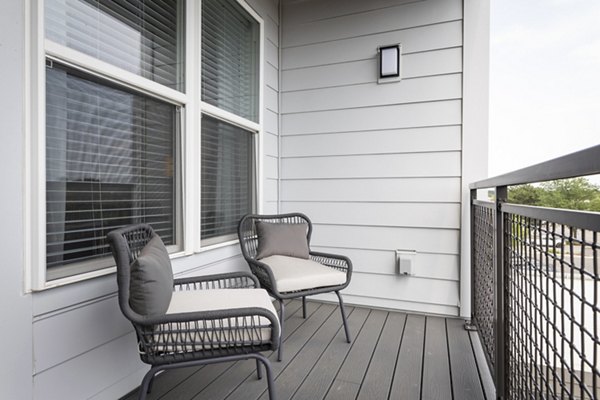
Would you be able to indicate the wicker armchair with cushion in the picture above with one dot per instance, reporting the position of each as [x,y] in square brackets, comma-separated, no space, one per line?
[277,250]
[190,321]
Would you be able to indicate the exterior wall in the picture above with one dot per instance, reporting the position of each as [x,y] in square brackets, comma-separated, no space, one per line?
[72,342]
[16,366]
[377,167]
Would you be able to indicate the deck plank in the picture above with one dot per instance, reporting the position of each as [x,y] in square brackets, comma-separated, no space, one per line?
[380,373]
[351,374]
[298,368]
[487,381]
[436,383]
[409,366]
[246,370]
[253,389]
[465,384]
[320,378]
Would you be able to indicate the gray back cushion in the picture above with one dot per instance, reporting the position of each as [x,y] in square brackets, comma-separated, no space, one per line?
[282,239]
[151,285]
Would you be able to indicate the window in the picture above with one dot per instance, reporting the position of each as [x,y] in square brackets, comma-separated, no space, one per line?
[112,153]
[230,82]
[144,111]
[110,156]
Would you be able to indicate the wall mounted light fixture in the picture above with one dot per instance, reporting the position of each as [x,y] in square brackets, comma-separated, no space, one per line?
[389,63]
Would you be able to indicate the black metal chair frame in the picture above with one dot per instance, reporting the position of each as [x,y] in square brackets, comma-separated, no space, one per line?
[165,342]
[248,237]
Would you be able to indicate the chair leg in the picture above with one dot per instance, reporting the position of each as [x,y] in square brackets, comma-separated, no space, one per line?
[343,316]
[281,319]
[147,383]
[304,307]
[258,370]
[270,383]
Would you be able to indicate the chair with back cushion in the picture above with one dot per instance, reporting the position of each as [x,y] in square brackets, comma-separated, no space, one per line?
[277,249]
[190,321]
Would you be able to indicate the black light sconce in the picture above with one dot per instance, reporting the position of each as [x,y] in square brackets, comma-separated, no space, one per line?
[389,63]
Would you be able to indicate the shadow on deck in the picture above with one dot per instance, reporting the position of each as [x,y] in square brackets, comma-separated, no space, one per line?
[393,355]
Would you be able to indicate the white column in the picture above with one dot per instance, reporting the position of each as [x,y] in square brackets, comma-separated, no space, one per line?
[476,49]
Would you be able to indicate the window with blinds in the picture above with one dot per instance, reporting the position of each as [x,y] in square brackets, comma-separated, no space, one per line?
[140,36]
[227,179]
[110,161]
[230,55]
[230,82]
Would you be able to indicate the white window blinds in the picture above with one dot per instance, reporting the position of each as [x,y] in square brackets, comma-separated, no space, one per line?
[230,53]
[110,161]
[141,36]
[227,179]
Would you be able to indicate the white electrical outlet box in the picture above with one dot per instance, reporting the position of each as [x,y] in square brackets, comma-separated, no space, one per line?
[405,262]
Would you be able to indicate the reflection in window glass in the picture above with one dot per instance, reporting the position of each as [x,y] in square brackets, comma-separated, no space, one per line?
[141,36]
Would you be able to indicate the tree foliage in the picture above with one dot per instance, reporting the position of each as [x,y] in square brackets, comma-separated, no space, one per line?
[573,194]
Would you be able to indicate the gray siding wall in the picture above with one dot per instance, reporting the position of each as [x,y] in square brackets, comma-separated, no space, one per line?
[82,346]
[15,327]
[377,167]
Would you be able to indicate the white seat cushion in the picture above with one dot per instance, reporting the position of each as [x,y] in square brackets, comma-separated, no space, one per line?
[219,299]
[215,333]
[293,274]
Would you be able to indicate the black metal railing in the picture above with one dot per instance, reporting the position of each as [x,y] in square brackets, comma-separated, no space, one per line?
[536,287]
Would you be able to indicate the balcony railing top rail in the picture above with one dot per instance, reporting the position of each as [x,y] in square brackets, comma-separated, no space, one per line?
[581,163]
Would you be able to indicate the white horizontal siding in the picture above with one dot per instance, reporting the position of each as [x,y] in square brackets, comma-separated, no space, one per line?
[373,166]
[270,144]
[393,116]
[328,9]
[270,190]
[405,288]
[425,215]
[270,166]
[427,89]
[427,240]
[271,125]
[442,138]
[345,25]
[377,167]
[92,372]
[391,303]
[271,99]
[419,39]
[79,330]
[388,189]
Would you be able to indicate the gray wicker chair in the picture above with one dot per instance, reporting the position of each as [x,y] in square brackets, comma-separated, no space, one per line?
[191,338]
[249,242]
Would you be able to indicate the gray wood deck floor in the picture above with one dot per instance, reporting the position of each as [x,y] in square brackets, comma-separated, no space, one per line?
[393,355]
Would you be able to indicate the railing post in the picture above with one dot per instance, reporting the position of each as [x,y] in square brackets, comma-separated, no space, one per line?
[470,324]
[500,364]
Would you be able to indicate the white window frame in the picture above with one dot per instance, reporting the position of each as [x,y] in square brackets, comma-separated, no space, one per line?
[37,49]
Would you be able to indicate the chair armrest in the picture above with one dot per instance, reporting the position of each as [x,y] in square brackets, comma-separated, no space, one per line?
[233,280]
[335,261]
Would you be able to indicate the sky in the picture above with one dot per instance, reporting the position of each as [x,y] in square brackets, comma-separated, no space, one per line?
[544,81]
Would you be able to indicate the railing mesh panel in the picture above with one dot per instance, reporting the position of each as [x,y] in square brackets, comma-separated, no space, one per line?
[483,307]
[552,306]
